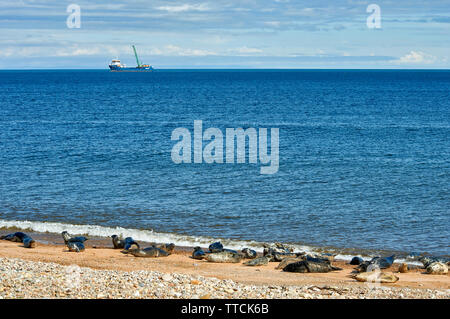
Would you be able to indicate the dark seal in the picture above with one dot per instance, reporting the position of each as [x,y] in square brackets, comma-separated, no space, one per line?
[75,246]
[356,261]
[216,247]
[129,244]
[69,239]
[20,237]
[118,243]
[376,263]
[249,253]
[312,266]
[198,253]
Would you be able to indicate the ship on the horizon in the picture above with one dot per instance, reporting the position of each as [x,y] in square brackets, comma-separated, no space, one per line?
[116,66]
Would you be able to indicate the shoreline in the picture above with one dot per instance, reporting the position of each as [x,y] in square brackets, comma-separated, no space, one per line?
[100,259]
[49,233]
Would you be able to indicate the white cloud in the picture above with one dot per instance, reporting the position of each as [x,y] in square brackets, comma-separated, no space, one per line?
[77,52]
[184,7]
[247,50]
[274,24]
[173,50]
[416,57]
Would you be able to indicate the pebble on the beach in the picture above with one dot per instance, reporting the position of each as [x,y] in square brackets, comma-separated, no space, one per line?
[30,279]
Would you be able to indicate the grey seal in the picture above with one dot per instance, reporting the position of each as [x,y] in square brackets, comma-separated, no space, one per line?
[148,252]
[75,246]
[376,263]
[129,244]
[356,261]
[276,256]
[288,260]
[249,253]
[224,257]
[428,260]
[118,243]
[20,237]
[260,261]
[269,249]
[69,239]
[312,266]
[216,247]
[169,248]
[198,253]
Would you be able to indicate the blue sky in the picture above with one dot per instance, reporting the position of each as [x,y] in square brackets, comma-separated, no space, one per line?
[225,34]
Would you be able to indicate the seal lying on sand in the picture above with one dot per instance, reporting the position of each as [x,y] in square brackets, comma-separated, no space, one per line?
[376,277]
[14,237]
[376,263]
[356,261]
[29,242]
[75,246]
[198,253]
[426,261]
[310,266]
[169,248]
[249,253]
[20,237]
[275,256]
[118,243]
[258,261]
[224,257]
[288,260]
[69,239]
[276,248]
[148,252]
[129,244]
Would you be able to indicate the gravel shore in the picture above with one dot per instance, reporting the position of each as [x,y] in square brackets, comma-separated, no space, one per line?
[30,279]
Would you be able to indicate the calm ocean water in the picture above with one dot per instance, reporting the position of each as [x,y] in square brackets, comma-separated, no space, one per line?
[364,155]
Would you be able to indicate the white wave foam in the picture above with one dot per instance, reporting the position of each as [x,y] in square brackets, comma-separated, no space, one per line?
[137,234]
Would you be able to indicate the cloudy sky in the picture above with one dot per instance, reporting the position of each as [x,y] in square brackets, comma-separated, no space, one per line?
[225,34]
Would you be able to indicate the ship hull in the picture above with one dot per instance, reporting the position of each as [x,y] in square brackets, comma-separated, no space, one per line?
[121,69]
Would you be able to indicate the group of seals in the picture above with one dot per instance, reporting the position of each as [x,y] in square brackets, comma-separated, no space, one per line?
[376,263]
[428,260]
[277,252]
[74,244]
[289,260]
[130,246]
[126,244]
[218,254]
[20,237]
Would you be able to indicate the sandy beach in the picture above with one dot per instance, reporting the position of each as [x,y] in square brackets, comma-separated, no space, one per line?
[102,272]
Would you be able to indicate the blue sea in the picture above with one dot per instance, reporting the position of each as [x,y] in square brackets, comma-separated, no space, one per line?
[364,157]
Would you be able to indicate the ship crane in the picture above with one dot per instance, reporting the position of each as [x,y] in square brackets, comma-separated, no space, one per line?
[135,54]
